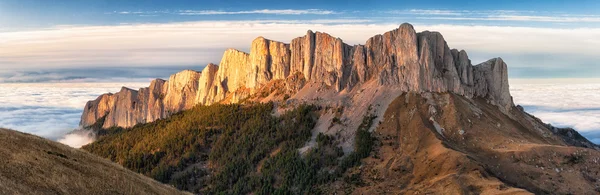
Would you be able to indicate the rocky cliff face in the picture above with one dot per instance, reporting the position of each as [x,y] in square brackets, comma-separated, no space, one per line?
[419,62]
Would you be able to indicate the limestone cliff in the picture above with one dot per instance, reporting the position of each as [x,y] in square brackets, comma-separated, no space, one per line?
[403,58]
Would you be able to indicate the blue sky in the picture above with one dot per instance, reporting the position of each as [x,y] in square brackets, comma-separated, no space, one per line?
[538,39]
[19,14]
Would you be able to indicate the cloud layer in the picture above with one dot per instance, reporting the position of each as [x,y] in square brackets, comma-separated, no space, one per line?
[79,75]
[49,110]
[199,43]
[262,11]
[422,14]
[562,102]
[78,138]
[226,12]
[499,15]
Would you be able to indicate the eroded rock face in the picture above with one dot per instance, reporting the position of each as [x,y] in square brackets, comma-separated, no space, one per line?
[96,109]
[403,58]
[268,60]
[181,90]
[207,90]
[491,82]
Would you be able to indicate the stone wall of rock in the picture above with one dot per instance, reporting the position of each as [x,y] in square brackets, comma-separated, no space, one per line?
[401,58]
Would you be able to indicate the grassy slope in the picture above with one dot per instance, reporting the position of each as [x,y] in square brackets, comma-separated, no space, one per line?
[33,165]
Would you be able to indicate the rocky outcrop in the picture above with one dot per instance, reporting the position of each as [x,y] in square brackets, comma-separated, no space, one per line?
[129,107]
[491,82]
[207,90]
[403,58]
[181,90]
[268,60]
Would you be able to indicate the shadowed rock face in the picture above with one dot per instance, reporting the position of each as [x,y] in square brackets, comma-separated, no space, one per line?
[401,58]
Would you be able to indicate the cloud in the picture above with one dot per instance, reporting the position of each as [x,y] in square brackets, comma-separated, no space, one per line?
[48,122]
[17,97]
[562,102]
[523,18]
[49,110]
[262,11]
[496,15]
[199,43]
[433,12]
[223,12]
[74,75]
[78,138]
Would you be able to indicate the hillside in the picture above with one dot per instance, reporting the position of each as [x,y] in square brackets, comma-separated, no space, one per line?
[448,144]
[232,149]
[33,165]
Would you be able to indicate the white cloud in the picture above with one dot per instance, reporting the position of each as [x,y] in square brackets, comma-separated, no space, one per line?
[562,102]
[497,15]
[449,12]
[49,110]
[97,75]
[432,12]
[48,122]
[78,138]
[194,43]
[223,12]
[56,95]
[525,18]
[262,11]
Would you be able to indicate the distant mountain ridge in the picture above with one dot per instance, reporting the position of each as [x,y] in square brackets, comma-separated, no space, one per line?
[401,58]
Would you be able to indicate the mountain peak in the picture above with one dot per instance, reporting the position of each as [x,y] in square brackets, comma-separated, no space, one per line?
[401,59]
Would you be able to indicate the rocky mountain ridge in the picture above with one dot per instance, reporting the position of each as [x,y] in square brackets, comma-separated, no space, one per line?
[401,58]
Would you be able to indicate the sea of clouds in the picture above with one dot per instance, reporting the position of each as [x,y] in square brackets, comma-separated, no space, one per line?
[562,102]
[53,110]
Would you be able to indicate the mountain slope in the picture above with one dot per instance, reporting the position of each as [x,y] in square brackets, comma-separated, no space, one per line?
[448,144]
[231,149]
[33,165]
[439,143]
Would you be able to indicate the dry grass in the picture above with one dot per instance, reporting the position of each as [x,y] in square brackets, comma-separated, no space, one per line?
[481,151]
[33,165]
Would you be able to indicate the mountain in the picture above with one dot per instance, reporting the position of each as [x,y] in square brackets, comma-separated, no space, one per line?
[402,113]
[401,59]
[33,165]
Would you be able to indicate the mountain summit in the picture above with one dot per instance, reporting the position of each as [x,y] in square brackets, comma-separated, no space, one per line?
[400,59]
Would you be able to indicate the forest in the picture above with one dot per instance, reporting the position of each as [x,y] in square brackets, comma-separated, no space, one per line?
[234,149]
